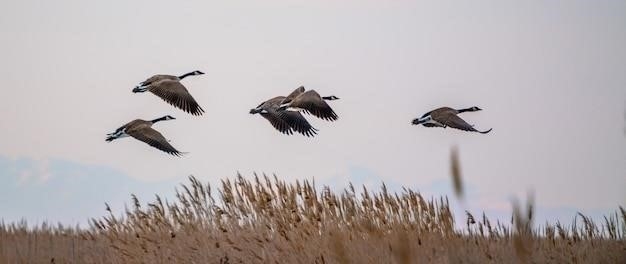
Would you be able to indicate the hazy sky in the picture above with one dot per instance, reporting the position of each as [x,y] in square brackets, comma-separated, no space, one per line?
[550,76]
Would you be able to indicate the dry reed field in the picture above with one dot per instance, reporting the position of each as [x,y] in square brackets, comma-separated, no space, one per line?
[266,220]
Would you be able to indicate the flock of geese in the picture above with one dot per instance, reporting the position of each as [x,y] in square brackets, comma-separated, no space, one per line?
[283,112]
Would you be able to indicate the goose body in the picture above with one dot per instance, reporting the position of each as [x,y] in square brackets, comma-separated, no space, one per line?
[170,89]
[448,117]
[309,102]
[284,121]
[142,130]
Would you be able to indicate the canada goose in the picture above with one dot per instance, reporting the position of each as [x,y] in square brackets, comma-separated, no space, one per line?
[309,102]
[447,117]
[142,130]
[284,121]
[169,88]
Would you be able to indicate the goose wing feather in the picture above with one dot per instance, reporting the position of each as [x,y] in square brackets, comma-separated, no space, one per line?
[153,138]
[176,94]
[277,122]
[313,103]
[293,95]
[454,121]
[298,123]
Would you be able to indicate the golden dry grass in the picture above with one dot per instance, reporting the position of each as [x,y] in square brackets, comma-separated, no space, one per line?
[270,221]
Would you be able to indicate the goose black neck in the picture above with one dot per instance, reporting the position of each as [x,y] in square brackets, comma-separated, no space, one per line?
[465,110]
[185,75]
[158,119]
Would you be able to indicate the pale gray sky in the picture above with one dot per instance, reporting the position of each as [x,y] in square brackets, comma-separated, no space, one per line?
[550,76]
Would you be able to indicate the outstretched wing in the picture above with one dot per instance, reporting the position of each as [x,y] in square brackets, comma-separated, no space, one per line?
[175,93]
[313,103]
[277,122]
[293,95]
[153,138]
[298,123]
[455,121]
[157,78]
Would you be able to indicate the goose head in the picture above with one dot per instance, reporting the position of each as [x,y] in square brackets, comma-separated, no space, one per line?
[471,109]
[193,73]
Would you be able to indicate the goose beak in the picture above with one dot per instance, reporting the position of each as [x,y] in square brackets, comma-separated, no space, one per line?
[253,111]
[137,89]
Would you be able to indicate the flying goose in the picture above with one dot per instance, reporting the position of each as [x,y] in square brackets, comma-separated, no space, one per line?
[309,102]
[284,121]
[447,117]
[169,88]
[142,130]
